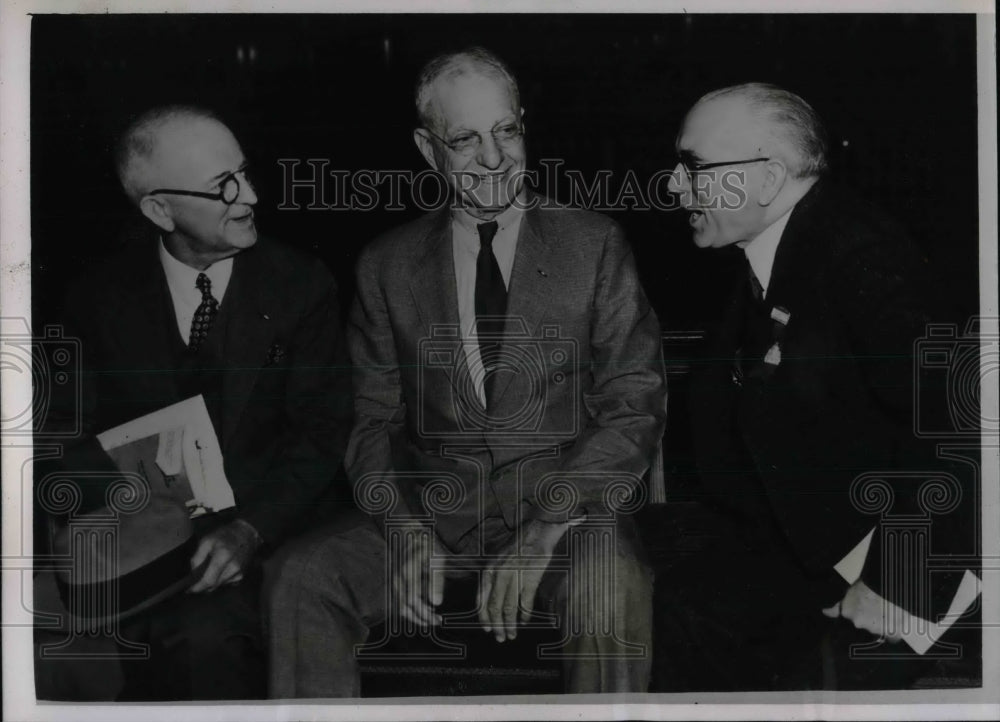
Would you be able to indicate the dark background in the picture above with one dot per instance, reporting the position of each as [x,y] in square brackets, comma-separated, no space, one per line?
[898,93]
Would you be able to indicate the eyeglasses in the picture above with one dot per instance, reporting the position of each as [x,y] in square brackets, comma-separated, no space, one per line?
[229,188]
[691,166]
[470,143]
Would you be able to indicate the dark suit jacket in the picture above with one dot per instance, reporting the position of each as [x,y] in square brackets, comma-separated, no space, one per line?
[281,408]
[839,403]
[586,398]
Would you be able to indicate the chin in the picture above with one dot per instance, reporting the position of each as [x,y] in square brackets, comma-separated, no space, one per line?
[704,240]
[244,239]
[484,207]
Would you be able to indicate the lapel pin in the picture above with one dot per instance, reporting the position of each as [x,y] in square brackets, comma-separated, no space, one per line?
[773,356]
[266,317]
[780,315]
[542,273]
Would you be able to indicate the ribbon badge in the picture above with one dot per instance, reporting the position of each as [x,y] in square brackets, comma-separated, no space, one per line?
[780,316]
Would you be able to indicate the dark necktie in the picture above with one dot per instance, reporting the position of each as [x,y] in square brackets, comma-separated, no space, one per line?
[201,324]
[491,300]
[755,287]
[756,325]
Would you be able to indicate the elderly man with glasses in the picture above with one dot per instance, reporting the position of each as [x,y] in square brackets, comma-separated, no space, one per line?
[808,557]
[509,395]
[203,306]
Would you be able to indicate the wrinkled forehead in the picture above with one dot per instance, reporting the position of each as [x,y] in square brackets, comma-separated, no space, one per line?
[721,127]
[193,151]
[473,97]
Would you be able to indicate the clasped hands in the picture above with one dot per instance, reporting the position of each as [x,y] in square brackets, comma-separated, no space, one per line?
[507,585]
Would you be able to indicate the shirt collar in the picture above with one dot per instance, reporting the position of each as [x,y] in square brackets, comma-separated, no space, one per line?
[509,216]
[761,250]
[182,279]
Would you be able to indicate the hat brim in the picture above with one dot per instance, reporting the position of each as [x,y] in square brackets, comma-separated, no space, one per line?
[134,592]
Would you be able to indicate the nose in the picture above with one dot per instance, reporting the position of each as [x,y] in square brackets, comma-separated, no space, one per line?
[489,155]
[680,185]
[248,194]
[678,180]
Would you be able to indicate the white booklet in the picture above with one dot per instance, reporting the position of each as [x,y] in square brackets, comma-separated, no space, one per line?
[177,451]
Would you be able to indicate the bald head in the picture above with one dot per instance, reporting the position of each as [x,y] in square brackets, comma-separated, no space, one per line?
[446,68]
[768,120]
[139,151]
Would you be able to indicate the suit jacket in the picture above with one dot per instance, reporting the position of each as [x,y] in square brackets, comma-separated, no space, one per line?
[585,395]
[787,439]
[281,400]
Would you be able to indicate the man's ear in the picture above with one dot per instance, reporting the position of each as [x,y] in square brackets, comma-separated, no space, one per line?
[775,174]
[158,212]
[425,144]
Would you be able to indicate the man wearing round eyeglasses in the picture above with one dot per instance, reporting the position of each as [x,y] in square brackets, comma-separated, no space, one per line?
[806,387]
[200,305]
[195,189]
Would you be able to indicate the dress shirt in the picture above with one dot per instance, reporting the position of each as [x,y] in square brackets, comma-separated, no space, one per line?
[760,251]
[465,250]
[181,280]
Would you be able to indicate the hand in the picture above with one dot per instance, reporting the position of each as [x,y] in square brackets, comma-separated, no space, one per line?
[867,610]
[416,590]
[508,586]
[228,550]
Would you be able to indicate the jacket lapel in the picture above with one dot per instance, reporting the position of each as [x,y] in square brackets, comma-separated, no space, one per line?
[435,293]
[147,312]
[250,317]
[792,257]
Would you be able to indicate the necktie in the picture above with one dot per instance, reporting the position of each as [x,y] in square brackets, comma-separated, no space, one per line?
[756,325]
[491,300]
[201,324]
[755,287]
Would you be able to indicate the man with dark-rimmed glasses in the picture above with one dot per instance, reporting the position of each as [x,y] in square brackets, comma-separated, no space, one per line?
[203,306]
[802,418]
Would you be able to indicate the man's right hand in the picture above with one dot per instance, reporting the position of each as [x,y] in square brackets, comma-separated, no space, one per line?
[418,592]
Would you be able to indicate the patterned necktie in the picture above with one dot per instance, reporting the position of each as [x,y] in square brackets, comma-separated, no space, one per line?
[201,324]
[491,299]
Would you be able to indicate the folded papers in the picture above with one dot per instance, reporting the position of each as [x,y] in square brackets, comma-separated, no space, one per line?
[176,450]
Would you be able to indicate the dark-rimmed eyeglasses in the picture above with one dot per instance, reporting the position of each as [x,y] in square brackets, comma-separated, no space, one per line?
[229,188]
[469,143]
[687,160]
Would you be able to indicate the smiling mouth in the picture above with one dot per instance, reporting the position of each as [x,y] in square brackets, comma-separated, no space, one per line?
[243,219]
[493,178]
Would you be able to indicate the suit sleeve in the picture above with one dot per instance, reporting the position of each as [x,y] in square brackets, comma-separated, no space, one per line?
[310,447]
[379,407]
[626,405]
[812,440]
[889,313]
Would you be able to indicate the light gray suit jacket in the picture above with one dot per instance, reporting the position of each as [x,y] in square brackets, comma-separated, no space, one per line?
[576,412]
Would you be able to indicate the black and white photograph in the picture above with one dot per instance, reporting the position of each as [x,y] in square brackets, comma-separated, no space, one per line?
[499,360]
